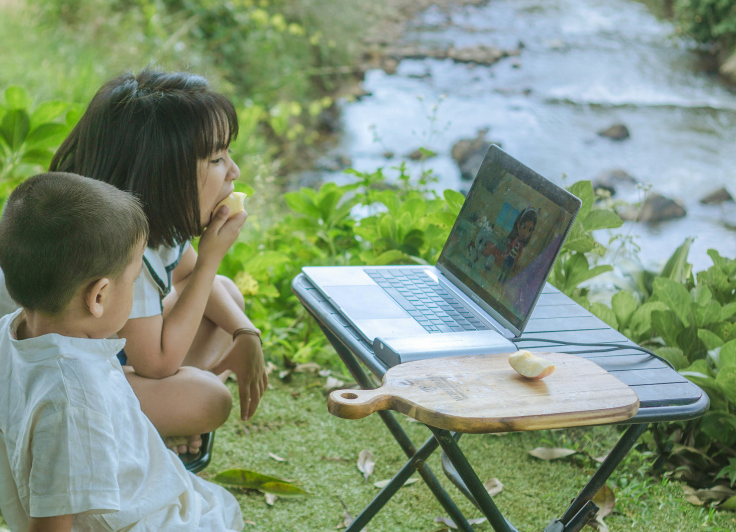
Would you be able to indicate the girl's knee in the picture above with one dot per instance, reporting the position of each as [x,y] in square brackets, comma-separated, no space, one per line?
[233,291]
[215,399]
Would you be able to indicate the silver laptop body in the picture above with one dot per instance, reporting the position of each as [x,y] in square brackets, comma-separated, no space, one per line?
[486,282]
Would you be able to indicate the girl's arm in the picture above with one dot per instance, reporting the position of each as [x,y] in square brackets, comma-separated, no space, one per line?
[221,309]
[159,359]
[58,523]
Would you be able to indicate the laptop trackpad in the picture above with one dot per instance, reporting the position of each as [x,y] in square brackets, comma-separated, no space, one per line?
[365,302]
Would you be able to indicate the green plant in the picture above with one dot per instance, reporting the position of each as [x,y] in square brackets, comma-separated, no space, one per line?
[29,134]
[573,265]
[707,21]
[691,321]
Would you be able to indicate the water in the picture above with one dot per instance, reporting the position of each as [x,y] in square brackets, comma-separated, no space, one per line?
[585,65]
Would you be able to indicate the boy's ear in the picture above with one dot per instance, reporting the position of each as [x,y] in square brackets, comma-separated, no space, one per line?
[96,296]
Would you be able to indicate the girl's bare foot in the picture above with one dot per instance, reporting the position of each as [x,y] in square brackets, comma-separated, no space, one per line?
[184,444]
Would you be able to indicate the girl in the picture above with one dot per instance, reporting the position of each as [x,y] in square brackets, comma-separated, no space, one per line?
[164,137]
[518,238]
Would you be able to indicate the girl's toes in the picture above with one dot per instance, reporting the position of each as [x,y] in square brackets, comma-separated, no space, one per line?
[182,449]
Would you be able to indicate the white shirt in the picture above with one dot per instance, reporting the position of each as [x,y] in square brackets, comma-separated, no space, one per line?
[154,282]
[73,440]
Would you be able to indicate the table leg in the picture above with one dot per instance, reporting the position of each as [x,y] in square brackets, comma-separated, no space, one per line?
[619,451]
[471,480]
[402,439]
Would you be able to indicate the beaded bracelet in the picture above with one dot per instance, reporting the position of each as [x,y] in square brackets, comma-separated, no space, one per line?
[249,331]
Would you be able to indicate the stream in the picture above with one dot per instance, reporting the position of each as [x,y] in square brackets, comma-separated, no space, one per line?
[583,66]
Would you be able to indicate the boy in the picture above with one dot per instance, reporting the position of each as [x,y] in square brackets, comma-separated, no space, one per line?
[76,451]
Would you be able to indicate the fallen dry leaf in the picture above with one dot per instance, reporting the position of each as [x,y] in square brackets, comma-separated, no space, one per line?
[249,522]
[285,375]
[493,486]
[325,373]
[600,459]
[333,384]
[551,453]
[270,368]
[691,497]
[451,524]
[606,502]
[270,499]
[366,463]
[309,367]
[716,493]
[334,459]
[347,519]
[277,457]
[383,483]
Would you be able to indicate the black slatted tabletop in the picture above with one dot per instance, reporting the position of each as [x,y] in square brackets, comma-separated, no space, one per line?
[664,394]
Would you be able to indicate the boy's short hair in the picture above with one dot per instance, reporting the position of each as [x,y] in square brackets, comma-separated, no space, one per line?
[145,134]
[59,231]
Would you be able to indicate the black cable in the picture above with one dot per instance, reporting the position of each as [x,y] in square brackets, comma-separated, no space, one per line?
[614,346]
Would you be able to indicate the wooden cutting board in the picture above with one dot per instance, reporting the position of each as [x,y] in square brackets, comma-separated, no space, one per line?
[483,393]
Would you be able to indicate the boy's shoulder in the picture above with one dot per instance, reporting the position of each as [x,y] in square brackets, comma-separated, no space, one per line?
[54,372]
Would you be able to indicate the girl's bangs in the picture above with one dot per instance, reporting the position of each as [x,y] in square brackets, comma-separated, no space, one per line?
[218,126]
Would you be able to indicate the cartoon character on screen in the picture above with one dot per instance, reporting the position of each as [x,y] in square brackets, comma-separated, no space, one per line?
[518,238]
[476,246]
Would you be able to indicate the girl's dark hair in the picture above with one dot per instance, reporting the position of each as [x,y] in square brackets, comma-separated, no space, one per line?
[527,215]
[145,134]
[60,231]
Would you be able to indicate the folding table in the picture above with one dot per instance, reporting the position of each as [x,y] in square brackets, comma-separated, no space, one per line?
[663,394]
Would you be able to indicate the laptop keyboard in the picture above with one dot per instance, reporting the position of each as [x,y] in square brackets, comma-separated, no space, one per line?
[426,301]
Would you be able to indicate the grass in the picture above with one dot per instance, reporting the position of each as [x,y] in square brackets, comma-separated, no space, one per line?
[321,452]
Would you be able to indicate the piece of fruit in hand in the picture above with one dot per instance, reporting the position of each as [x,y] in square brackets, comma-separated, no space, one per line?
[530,366]
[235,201]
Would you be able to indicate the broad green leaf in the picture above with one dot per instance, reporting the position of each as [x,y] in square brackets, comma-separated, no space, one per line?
[455,200]
[602,219]
[268,290]
[47,135]
[14,128]
[416,207]
[387,227]
[677,268]
[17,98]
[701,294]
[443,219]
[392,256]
[730,503]
[245,479]
[265,260]
[48,112]
[726,380]
[301,203]
[704,315]
[578,240]
[674,356]
[727,355]
[623,305]
[40,156]
[719,262]
[709,339]
[604,313]
[666,325]
[727,311]
[675,296]
[577,270]
[584,191]
[641,320]
[699,366]
[688,341]
[283,489]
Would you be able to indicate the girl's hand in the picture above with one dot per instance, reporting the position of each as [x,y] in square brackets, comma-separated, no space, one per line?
[245,359]
[220,235]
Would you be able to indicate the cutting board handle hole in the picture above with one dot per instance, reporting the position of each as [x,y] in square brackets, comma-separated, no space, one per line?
[349,395]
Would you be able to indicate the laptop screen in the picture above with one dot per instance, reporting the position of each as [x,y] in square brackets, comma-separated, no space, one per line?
[507,235]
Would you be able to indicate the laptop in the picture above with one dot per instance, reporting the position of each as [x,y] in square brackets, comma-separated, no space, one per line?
[482,291]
